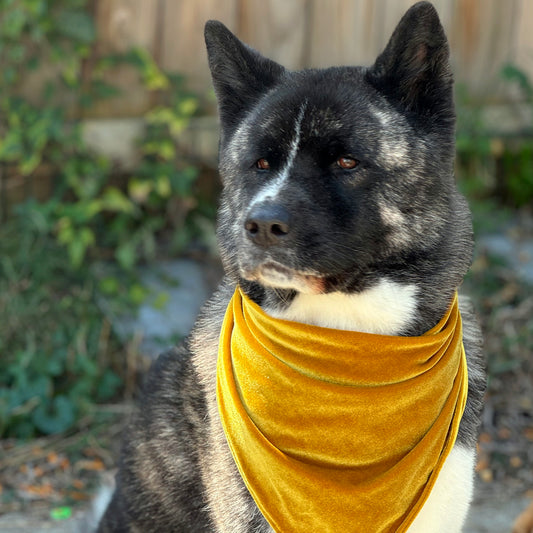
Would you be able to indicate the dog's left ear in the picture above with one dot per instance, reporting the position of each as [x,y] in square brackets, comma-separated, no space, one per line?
[240,74]
[414,69]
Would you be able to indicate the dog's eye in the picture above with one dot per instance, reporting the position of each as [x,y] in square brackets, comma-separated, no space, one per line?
[347,163]
[262,164]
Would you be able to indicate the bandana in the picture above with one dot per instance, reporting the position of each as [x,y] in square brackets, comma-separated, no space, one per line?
[337,430]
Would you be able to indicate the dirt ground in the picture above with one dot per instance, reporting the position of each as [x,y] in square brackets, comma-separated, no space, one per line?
[494,511]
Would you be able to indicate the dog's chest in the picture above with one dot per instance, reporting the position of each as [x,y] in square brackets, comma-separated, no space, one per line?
[387,308]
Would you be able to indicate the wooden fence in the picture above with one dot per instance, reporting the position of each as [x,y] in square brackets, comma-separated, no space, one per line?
[484,35]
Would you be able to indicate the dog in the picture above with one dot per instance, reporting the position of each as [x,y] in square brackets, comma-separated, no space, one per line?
[339,210]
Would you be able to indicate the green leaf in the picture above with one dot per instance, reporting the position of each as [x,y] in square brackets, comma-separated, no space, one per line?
[115,200]
[126,255]
[187,106]
[139,190]
[76,253]
[65,230]
[163,186]
[108,385]
[153,77]
[86,235]
[29,164]
[60,513]
[137,293]
[81,240]
[513,73]
[77,25]
[71,71]
[160,301]
[55,416]
[13,22]
[37,7]
[55,366]
[160,115]
[109,285]
[182,181]
[11,145]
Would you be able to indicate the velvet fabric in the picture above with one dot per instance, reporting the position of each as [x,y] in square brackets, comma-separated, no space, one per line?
[338,431]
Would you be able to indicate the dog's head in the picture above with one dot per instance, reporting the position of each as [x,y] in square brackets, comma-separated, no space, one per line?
[333,175]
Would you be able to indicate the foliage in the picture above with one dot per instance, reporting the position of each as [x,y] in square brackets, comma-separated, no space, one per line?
[516,168]
[104,213]
[491,164]
[55,345]
[54,362]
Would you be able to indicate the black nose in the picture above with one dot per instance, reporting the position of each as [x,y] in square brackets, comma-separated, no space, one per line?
[267,224]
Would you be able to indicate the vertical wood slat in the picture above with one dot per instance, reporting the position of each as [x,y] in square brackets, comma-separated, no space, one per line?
[341,32]
[183,48]
[278,26]
[481,36]
[354,32]
[122,24]
[522,46]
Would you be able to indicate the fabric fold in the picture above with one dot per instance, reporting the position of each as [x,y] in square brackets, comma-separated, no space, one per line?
[334,430]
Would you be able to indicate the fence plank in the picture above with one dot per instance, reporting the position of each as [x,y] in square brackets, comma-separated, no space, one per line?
[183,48]
[341,32]
[277,26]
[354,32]
[125,23]
[522,47]
[481,36]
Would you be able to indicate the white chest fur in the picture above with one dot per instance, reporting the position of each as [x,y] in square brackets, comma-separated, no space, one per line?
[386,309]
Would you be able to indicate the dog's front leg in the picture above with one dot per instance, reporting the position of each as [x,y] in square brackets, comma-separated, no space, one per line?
[446,508]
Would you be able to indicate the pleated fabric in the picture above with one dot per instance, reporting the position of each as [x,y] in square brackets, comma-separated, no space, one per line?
[338,431]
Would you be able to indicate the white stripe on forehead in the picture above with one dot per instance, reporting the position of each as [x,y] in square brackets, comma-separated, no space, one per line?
[272,189]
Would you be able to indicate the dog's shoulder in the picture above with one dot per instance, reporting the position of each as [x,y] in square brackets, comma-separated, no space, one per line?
[203,340]
[473,345]
[159,472]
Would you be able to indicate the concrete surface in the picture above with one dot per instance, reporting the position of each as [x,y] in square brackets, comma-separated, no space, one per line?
[178,289]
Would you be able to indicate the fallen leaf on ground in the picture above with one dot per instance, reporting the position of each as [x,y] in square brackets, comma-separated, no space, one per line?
[524,522]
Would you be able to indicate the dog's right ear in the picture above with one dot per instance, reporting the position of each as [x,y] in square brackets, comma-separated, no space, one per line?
[240,74]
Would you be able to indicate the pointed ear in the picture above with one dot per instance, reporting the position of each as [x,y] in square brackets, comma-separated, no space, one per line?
[240,74]
[414,69]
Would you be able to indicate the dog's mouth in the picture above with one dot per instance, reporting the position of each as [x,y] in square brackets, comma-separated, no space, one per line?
[278,276]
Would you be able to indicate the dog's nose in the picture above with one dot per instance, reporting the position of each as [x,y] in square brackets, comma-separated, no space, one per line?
[267,224]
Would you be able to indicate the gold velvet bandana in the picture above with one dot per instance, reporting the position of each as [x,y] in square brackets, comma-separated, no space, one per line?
[338,431]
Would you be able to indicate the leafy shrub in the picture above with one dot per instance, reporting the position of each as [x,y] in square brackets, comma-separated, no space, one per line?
[515,172]
[54,342]
[515,169]
[489,163]
[104,213]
